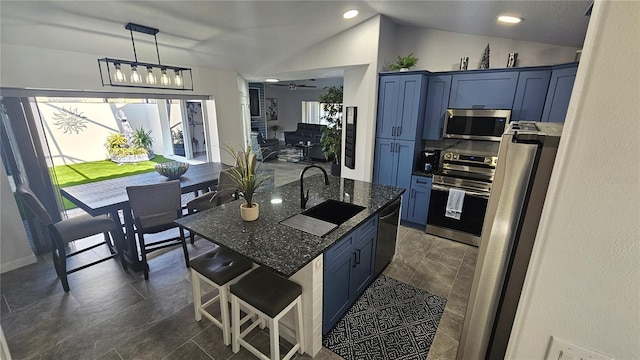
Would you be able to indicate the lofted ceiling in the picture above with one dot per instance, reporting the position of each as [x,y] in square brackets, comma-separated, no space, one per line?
[249,36]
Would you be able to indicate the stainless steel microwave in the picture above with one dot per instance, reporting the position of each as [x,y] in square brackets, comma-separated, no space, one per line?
[475,124]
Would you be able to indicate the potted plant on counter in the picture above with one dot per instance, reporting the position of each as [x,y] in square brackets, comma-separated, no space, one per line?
[332,135]
[247,181]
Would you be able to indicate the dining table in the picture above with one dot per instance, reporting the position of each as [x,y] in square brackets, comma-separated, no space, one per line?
[110,197]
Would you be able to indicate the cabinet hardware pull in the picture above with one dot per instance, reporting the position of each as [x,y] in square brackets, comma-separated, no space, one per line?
[391,147]
[358,258]
[393,131]
[421,182]
[399,131]
[354,260]
[397,147]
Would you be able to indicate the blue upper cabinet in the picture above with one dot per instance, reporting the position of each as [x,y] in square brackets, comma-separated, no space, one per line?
[387,106]
[493,90]
[436,106]
[401,106]
[530,95]
[559,93]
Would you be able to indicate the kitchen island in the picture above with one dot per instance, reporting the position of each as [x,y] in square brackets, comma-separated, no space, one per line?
[289,252]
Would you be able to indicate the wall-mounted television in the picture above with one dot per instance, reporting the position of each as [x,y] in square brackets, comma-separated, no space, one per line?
[254,102]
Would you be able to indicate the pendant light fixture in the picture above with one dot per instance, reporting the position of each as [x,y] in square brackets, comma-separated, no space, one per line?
[125,73]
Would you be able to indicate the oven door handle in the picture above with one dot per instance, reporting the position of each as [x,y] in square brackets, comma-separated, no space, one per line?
[468,192]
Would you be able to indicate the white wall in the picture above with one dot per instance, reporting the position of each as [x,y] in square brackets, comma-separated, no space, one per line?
[289,106]
[354,50]
[583,283]
[88,144]
[441,50]
[14,246]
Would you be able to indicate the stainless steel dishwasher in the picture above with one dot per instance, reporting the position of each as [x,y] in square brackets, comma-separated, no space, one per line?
[387,234]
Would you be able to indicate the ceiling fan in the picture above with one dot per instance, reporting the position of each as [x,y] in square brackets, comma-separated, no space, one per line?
[293,86]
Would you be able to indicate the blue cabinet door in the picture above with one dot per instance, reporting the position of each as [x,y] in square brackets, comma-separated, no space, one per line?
[405,155]
[362,273]
[530,95]
[337,289]
[436,106]
[385,164]
[419,199]
[387,106]
[559,94]
[411,106]
[494,90]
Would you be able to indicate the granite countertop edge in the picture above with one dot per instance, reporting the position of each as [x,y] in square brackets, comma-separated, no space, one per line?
[278,247]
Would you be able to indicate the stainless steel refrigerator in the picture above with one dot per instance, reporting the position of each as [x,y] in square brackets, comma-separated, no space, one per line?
[525,160]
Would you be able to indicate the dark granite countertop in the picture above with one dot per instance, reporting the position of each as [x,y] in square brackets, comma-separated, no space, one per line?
[279,247]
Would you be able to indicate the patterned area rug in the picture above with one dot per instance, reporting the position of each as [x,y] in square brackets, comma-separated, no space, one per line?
[390,320]
[291,154]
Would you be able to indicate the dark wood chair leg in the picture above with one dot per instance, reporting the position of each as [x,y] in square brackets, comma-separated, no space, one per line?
[144,256]
[184,247]
[62,264]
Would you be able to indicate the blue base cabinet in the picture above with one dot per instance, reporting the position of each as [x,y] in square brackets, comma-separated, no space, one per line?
[559,93]
[348,270]
[436,106]
[419,197]
[530,95]
[493,90]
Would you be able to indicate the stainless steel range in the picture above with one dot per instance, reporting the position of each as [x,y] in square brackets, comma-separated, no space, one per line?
[460,191]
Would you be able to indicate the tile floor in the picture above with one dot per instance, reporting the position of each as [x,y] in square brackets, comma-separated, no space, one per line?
[113,314]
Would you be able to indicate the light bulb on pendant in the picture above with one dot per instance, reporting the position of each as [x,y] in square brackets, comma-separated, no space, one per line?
[178,77]
[164,79]
[135,77]
[119,74]
[150,78]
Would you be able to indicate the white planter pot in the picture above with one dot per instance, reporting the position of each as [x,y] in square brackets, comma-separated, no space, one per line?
[249,213]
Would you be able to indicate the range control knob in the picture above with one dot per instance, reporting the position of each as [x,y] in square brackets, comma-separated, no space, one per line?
[447,156]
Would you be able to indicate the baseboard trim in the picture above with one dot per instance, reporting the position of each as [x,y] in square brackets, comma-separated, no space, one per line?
[18,263]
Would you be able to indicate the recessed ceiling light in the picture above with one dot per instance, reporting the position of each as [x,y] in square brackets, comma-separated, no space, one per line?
[509,19]
[276,201]
[271,80]
[350,14]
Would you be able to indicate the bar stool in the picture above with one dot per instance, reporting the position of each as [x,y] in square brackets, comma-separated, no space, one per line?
[217,268]
[269,296]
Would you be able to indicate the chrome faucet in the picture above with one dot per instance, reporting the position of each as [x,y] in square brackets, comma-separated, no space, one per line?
[303,198]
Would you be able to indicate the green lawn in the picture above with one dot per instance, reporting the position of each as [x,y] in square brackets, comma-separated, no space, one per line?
[70,175]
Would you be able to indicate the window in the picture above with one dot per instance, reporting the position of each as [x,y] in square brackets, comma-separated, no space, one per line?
[313,113]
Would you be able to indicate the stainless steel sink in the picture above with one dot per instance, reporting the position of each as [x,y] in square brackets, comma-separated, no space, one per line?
[323,218]
[334,211]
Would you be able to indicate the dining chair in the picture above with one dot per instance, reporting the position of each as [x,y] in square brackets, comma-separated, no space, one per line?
[225,192]
[154,208]
[78,227]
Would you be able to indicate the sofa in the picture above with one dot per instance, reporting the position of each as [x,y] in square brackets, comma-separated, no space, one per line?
[265,149]
[305,133]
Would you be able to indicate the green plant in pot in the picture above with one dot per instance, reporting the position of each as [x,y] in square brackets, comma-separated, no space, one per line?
[331,139]
[275,129]
[247,180]
[404,63]
[142,139]
[119,150]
